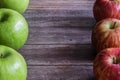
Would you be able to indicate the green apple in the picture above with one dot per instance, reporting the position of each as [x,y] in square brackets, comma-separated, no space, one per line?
[12,65]
[13,29]
[18,5]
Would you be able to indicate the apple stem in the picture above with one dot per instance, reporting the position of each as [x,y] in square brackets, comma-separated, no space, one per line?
[114,25]
[1,56]
[114,60]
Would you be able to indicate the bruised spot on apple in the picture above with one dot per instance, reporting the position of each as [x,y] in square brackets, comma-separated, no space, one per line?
[107,64]
[106,9]
[106,34]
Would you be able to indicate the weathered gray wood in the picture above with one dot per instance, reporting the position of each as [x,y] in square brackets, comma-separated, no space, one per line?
[58,54]
[60,26]
[62,4]
[59,36]
[59,43]
[60,73]
[60,18]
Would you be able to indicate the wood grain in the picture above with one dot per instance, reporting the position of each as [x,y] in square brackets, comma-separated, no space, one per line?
[59,36]
[58,54]
[59,27]
[60,73]
[60,18]
[59,43]
[62,4]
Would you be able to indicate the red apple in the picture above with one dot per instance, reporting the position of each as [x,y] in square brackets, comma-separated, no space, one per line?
[106,34]
[106,9]
[107,64]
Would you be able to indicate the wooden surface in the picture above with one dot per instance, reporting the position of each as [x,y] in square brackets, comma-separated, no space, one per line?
[59,43]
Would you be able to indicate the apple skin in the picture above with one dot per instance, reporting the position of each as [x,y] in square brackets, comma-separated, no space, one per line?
[18,5]
[12,65]
[106,9]
[106,34]
[107,64]
[13,29]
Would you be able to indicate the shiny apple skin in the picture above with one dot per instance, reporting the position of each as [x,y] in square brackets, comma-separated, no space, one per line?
[104,68]
[106,9]
[13,29]
[12,64]
[105,37]
[17,5]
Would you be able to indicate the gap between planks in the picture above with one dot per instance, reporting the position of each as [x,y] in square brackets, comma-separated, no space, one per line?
[62,4]
[66,55]
[60,73]
[60,18]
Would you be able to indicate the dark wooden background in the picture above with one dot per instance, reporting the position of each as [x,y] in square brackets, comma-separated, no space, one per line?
[59,43]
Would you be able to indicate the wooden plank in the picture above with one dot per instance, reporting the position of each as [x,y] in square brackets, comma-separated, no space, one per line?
[59,36]
[62,4]
[59,27]
[60,73]
[58,54]
[59,43]
[60,18]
